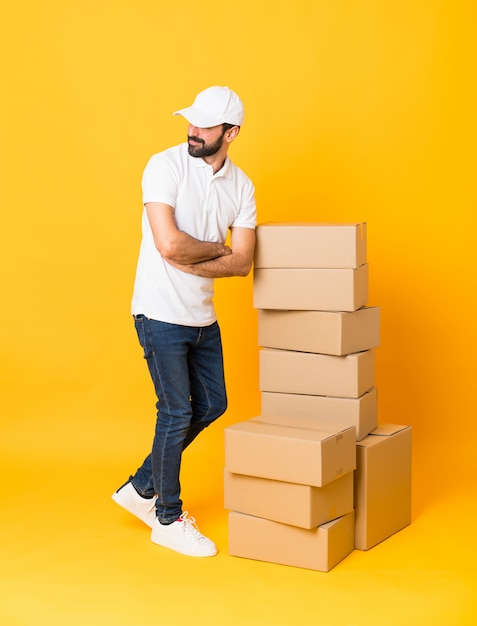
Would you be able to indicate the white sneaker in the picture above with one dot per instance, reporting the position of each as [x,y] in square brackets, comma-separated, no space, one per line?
[129,499]
[183,536]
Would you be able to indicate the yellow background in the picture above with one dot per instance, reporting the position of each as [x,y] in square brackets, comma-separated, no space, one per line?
[355,110]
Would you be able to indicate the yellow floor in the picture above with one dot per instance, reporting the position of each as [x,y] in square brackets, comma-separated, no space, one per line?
[71,556]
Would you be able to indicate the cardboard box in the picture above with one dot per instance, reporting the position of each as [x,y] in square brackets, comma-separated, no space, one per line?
[286,371]
[382,484]
[311,245]
[325,332]
[310,289]
[319,549]
[362,412]
[289,503]
[295,450]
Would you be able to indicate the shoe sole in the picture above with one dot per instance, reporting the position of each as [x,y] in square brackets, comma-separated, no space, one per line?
[164,542]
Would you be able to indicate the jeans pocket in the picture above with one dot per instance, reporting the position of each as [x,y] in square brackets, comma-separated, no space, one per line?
[139,323]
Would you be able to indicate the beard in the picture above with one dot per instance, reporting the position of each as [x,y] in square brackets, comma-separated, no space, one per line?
[205,150]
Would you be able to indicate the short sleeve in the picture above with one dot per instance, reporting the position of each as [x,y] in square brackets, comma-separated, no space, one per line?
[160,180]
[247,215]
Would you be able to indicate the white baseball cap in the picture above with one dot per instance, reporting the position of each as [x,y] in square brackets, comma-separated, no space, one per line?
[214,106]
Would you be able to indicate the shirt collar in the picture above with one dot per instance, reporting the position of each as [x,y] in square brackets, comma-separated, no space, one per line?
[223,172]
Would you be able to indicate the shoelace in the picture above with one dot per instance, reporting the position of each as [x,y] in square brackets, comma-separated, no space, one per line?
[190,526]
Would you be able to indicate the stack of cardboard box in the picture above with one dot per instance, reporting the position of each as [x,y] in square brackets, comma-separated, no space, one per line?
[290,480]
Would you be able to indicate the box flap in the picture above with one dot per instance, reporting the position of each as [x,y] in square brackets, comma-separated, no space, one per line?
[286,430]
[380,433]
[311,224]
[386,430]
[331,429]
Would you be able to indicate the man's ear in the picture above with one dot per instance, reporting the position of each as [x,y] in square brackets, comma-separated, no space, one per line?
[231,134]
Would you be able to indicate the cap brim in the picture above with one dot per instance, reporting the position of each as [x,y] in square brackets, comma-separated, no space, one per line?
[198,118]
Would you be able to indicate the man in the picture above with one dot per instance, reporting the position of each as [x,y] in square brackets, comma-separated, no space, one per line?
[193,194]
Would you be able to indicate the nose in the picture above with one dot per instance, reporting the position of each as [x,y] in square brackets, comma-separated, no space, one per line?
[193,130]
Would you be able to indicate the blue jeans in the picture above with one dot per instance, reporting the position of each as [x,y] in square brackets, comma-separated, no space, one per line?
[186,366]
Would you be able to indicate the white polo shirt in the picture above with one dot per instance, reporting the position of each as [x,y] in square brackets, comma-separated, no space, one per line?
[205,206]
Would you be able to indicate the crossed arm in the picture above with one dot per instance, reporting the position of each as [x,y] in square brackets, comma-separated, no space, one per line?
[201,258]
